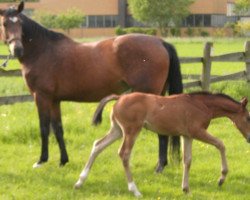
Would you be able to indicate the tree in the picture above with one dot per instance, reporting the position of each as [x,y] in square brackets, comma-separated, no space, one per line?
[161,13]
[242,7]
[45,18]
[72,18]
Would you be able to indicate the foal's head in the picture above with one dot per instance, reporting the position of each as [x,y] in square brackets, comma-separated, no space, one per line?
[242,120]
[11,29]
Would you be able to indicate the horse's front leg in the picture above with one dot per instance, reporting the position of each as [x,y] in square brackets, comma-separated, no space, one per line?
[43,107]
[187,158]
[56,122]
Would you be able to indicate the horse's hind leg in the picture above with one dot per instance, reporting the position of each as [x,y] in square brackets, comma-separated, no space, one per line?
[204,136]
[98,146]
[56,123]
[130,135]
[44,120]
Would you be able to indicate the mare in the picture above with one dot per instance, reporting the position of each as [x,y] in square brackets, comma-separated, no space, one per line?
[186,115]
[56,69]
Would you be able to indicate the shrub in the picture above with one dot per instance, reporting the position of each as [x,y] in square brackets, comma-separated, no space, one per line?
[148,31]
[175,31]
[190,32]
[243,28]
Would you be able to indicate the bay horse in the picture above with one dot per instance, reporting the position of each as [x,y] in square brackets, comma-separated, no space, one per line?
[56,69]
[186,115]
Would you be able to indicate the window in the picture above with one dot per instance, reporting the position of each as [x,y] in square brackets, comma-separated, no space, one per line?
[100,21]
[207,20]
[190,20]
[198,20]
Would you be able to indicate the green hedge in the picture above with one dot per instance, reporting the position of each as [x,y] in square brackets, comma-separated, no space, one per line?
[148,31]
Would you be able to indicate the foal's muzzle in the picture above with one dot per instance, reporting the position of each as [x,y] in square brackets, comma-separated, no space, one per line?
[248,139]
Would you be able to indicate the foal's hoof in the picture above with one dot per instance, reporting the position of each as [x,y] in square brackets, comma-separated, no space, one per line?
[220,182]
[185,190]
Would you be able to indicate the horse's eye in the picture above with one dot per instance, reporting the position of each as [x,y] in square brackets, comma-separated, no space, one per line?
[248,118]
[5,24]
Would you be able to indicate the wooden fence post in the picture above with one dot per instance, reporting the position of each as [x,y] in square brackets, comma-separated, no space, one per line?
[206,66]
[247,56]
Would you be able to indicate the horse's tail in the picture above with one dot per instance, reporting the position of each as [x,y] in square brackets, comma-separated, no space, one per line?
[97,119]
[175,86]
[174,76]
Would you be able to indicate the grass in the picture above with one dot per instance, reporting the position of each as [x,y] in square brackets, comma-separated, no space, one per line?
[20,148]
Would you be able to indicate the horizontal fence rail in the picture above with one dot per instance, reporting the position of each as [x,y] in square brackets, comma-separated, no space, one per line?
[204,80]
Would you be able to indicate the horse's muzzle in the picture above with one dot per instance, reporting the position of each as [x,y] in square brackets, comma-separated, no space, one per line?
[18,52]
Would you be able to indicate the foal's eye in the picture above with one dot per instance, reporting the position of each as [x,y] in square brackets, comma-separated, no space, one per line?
[5,24]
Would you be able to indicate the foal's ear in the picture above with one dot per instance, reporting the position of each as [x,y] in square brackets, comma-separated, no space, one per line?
[244,102]
[20,7]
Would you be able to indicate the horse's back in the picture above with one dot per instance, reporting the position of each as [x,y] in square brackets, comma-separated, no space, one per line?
[143,60]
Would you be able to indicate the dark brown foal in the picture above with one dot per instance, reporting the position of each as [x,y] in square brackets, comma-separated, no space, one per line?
[186,115]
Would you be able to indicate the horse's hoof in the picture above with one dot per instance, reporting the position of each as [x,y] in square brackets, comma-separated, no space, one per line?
[37,165]
[160,167]
[63,163]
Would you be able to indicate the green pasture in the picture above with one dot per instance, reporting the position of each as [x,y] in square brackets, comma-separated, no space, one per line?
[20,146]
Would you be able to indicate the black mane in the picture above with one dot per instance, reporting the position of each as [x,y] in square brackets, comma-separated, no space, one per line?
[216,94]
[32,29]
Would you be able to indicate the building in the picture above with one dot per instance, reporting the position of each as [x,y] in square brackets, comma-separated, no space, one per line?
[102,16]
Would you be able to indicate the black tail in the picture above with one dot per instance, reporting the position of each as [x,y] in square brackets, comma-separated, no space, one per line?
[175,86]
[97,118]
[174,76]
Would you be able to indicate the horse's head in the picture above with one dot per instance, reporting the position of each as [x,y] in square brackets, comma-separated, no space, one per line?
[11,29]
[242,120]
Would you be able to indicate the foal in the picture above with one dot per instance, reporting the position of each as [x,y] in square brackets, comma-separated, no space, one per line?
[187,115]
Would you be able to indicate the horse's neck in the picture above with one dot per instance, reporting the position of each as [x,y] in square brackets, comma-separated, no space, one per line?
[221,107]
[36,39]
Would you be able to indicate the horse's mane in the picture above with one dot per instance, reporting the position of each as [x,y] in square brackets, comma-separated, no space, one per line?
[32,29]
[209,94]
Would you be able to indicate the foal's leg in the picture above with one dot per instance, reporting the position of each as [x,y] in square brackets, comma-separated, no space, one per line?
[130,135]
[43,106]
[56,123]
[204,136]
[187,158]
[99,145]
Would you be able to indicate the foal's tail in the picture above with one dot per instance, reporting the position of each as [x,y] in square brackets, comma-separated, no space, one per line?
[97,119]
[175,86]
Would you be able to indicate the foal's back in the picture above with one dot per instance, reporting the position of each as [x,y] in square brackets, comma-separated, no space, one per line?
[170,115]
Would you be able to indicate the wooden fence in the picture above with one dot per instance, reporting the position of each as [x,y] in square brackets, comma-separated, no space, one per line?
[204,80]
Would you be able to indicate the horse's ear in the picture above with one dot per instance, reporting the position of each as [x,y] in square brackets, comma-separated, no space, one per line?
[20,7]
[244,102]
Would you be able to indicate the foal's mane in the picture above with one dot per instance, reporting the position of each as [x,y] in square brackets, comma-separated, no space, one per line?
[209,94]
[32,29]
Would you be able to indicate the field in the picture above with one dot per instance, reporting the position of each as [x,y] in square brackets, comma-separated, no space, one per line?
[20,147]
